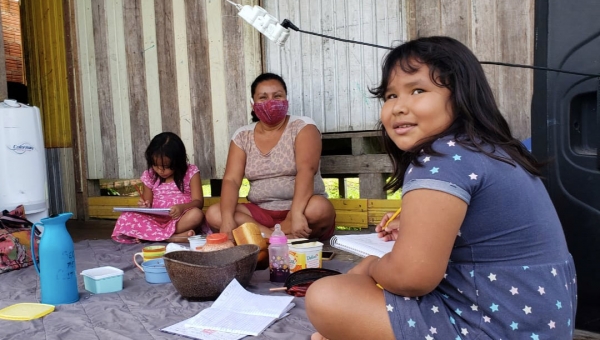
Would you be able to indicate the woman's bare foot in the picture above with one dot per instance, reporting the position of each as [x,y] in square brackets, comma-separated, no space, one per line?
[181,237]
[317,336]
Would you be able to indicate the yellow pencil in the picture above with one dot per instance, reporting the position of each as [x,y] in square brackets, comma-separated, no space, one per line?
[139,190]
[392,218]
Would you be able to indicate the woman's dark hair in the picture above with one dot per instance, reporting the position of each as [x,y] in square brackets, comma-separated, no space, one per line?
[260,79]
[477,119]
[168,145]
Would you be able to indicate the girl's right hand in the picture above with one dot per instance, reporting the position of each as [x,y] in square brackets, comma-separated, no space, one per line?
[143,203]
[391,231]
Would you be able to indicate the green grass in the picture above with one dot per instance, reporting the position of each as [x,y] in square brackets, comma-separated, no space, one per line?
[331,187]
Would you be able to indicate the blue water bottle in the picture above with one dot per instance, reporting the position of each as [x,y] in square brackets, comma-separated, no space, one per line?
[56,254]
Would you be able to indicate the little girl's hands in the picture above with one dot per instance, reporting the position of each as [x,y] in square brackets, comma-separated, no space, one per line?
[391,231]
[175,211]
[143,203]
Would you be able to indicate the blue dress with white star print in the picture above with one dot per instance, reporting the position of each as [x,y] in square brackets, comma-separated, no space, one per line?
[510,274]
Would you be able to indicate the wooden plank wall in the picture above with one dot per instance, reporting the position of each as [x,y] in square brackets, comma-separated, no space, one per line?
[46,48]
[148,66]
[328,80]
[496,30]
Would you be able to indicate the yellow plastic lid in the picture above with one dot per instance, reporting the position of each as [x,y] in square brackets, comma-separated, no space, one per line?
[25,311]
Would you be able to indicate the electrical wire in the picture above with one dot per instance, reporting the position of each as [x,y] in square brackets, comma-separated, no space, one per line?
[334,38]
[539,68]
[288,24]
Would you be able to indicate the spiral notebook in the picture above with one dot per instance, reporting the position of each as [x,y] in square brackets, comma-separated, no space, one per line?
[362,245]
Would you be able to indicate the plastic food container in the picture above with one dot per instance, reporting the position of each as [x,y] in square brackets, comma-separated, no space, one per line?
[197,242]
[25,311]
[305,255]
[103,279]
[155,271]
[218,241]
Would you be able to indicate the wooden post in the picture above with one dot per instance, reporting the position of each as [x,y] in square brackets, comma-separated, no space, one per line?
[370,184]
[3,85]
[342,186]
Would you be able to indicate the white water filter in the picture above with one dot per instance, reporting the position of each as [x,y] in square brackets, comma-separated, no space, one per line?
[23,178]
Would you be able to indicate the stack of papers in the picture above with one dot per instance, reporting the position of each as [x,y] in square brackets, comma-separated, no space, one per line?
[234,315]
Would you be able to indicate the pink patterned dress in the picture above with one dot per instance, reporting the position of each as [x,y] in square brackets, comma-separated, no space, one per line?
[131,226]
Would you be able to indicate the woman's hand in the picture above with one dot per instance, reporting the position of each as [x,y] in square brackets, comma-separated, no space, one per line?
[391,231]
[176,211]
[300,227]
[227,227]
[363,267]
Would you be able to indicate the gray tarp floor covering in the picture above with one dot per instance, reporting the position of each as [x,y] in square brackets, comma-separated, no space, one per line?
[139,311]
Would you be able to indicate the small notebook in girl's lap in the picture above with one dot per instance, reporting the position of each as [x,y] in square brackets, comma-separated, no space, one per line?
[152,211]
[362,245]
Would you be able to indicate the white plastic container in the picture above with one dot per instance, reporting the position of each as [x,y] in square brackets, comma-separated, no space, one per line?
[197,242]
[103,279]
[23,166]
[305,255]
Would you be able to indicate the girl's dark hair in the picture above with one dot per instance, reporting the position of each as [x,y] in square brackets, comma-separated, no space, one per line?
[168,145]
[260,79]
[477,119]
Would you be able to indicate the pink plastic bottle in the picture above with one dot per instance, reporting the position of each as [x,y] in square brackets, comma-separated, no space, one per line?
[279,259]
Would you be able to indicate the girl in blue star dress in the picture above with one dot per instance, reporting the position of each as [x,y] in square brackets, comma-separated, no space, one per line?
[479,250]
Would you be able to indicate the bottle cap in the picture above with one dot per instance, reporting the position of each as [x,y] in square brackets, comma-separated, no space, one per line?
[278,237]
[216,238]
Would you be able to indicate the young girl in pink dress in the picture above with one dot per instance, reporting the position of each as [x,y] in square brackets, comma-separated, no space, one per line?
[170,182]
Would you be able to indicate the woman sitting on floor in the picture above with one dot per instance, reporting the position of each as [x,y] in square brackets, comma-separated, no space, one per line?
[280,155]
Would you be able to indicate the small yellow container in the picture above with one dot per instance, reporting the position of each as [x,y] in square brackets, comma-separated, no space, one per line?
[305,255]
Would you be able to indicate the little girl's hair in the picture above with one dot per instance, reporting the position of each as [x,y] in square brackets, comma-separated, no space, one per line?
[168,145]
[477,119]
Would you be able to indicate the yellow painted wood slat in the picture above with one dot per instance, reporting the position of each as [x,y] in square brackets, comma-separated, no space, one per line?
[113,201]
[102,206]
[351,212]
[378,207]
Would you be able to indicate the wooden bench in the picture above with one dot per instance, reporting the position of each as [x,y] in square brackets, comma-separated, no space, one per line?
[356,213]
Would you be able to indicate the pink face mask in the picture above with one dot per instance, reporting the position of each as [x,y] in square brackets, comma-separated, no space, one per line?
[271,111]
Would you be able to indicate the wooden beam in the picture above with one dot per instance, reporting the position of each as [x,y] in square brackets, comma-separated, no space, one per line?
[362,164]
[76,110]
[351,134]
[371,185]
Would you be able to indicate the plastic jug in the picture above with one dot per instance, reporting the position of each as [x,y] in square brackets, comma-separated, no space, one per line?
[56,255]
[279,258]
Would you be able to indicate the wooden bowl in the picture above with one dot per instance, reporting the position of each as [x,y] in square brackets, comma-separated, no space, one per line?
[204,275]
